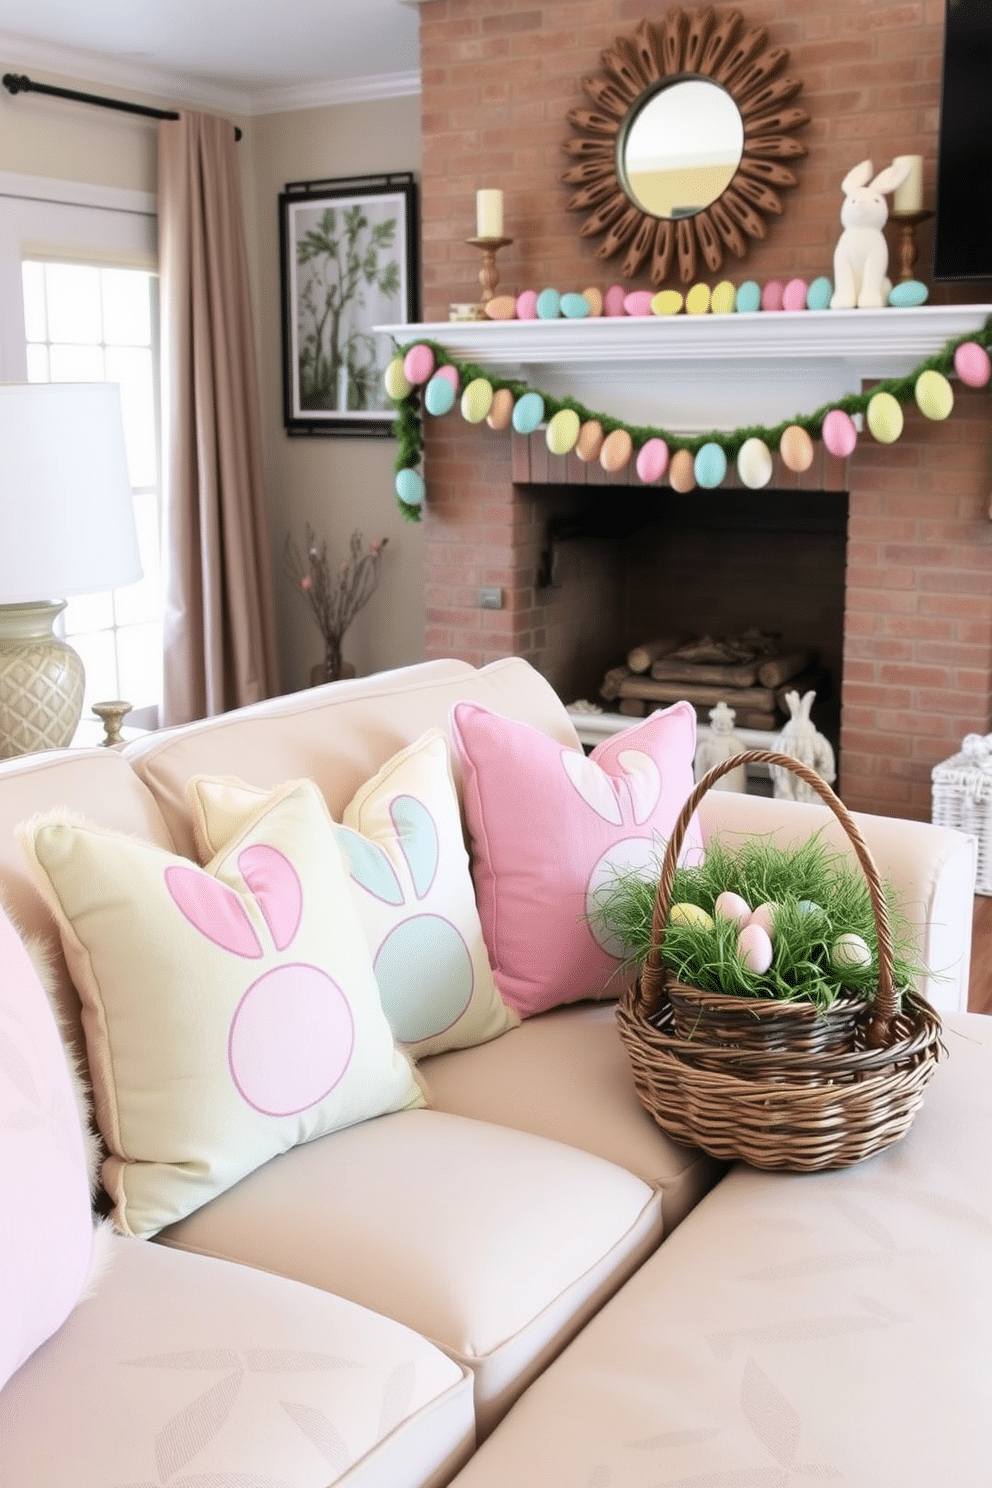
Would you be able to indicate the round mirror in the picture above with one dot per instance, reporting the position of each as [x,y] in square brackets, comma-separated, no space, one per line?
[681,148]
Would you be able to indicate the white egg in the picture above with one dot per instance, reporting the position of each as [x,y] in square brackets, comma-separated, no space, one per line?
[850,950]
[755,947]
[733,907]
[764,916]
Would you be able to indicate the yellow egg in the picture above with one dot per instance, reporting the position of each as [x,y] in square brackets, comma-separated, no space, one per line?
[501,409]
[590,441]
[690,914]
[594,297]
[395,380]
[616,452]
[796,449]
[884,418]
[477,400]
[666,302]
[723,300]
[562,431]
[697,301]
[934,395]
[754,464]
[503,307]
[682,472]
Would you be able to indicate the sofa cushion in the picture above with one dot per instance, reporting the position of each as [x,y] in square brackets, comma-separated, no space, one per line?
[494,1244]
[551,829]
[403,844]
[184,1370]
[46,1225]
[227,1014]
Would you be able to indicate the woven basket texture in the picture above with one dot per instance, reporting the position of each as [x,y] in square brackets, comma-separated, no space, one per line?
[962,798]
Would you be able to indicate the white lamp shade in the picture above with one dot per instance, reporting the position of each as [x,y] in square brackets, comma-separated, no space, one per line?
[66,511]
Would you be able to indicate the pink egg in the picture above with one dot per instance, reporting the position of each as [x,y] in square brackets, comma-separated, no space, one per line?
[839,434]
[450,374]
[764,916]
[527,305]
[771,295]
[652,460]
[794,295]
[418,364]
[732,907]
[613,299]
[638,303]
[971,363]
[755,947]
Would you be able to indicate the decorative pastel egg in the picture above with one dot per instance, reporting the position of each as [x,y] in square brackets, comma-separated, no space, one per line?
[501,411]
[689,914]
[849,950]
[796,449]
[528,412]
[638,303]
[613,299]
[418,364]
[594,299]
[754,946]
[754,464]
[732,907]
[501,307]
[764,916]
[616,452]
[410,487]
[807,907]
[972,364]
[450,374]
[794,295]
[562,431]
[748,297]
[652,460]
[477,399]
[710,466]
[574,306]
[548,304]
[439,395]
[527,305]
[819,294]
[771,295]
[697,301]
[884,418]
[907,293]
[395,380]
[681,472]
[590,441]
[934,395]
[839,434]
[723,300]
[666,302]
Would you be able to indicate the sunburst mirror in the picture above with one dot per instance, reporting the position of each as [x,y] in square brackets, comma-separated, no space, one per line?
[682,155]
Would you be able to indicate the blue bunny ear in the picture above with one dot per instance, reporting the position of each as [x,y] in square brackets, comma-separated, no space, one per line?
[369,866]
[418,840]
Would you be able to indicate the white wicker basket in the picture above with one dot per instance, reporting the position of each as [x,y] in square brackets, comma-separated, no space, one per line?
[962,798]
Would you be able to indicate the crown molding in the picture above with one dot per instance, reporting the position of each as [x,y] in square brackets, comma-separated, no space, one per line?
[335,91]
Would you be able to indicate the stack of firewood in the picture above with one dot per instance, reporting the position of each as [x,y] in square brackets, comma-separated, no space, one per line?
[750,672]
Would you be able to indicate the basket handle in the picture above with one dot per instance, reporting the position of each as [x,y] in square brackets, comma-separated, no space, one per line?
[653,972]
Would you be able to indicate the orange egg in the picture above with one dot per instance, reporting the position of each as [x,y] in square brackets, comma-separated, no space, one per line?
[616,452]
[501,409]
[796,449]
[590,441]
[681,472]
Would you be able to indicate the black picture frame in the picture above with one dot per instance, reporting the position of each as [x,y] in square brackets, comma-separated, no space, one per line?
[348,257]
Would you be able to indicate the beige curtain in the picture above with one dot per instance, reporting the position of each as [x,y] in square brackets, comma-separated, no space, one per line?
[220,646]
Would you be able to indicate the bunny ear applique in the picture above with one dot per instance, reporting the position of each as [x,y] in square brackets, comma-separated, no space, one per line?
[418,839]
[369,866]
[213,909]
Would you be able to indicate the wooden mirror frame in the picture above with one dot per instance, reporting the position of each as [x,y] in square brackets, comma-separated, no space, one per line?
[686,44]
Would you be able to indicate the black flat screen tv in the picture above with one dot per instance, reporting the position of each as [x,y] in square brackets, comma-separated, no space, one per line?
[963,221]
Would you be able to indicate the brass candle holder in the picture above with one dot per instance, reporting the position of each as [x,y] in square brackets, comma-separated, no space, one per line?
[908,223]
[112,714]
[488,274]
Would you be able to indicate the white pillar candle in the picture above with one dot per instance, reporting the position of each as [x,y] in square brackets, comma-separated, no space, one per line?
[489,214]
[909,196]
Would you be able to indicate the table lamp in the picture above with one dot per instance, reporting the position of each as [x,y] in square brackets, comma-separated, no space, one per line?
[66,528]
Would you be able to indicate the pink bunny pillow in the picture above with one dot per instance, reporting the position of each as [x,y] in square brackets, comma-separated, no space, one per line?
[550,828]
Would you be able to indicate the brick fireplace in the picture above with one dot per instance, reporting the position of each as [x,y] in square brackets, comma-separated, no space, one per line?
[916,651]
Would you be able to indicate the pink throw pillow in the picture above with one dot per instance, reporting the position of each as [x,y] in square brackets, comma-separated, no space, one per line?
[550,827]
[46,1224]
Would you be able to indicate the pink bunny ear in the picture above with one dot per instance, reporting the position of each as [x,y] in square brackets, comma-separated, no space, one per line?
[276,886]
[214,910]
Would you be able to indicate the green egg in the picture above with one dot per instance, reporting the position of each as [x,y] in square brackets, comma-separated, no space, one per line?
[819,294]
[574,306]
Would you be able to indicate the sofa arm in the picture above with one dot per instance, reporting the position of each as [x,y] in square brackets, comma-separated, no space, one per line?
[931,869]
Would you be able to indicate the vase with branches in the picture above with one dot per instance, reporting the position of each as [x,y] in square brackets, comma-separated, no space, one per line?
[334,592]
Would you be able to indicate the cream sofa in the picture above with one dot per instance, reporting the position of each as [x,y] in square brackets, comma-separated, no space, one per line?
[370,1306]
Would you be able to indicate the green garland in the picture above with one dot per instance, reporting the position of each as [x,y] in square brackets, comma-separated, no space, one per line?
[408,430]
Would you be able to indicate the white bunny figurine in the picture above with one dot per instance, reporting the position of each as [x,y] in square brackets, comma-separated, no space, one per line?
[801,739]
[862,254]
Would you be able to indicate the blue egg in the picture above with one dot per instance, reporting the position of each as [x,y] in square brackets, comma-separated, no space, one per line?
[548,304]
[439,395]
[807,907]
[528,412]
[410,487]
[908,292]
[710,466]
[748,297]
[819,294]
[574,306]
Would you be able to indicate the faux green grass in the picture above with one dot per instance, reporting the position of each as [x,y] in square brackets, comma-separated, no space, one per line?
[762,872]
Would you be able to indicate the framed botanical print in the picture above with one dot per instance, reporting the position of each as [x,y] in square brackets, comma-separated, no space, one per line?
[349,263]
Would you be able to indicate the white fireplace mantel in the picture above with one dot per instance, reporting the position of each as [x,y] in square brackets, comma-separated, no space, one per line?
[690,373]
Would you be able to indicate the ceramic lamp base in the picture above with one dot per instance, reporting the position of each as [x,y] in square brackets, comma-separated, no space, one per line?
[41,681]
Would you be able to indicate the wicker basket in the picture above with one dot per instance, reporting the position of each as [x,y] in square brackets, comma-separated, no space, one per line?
[962,798]
[778,1084]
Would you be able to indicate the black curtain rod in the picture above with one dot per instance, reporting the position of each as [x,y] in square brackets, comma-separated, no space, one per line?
[18,83]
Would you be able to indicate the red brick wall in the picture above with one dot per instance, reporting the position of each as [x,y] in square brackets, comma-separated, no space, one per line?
[498,79]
